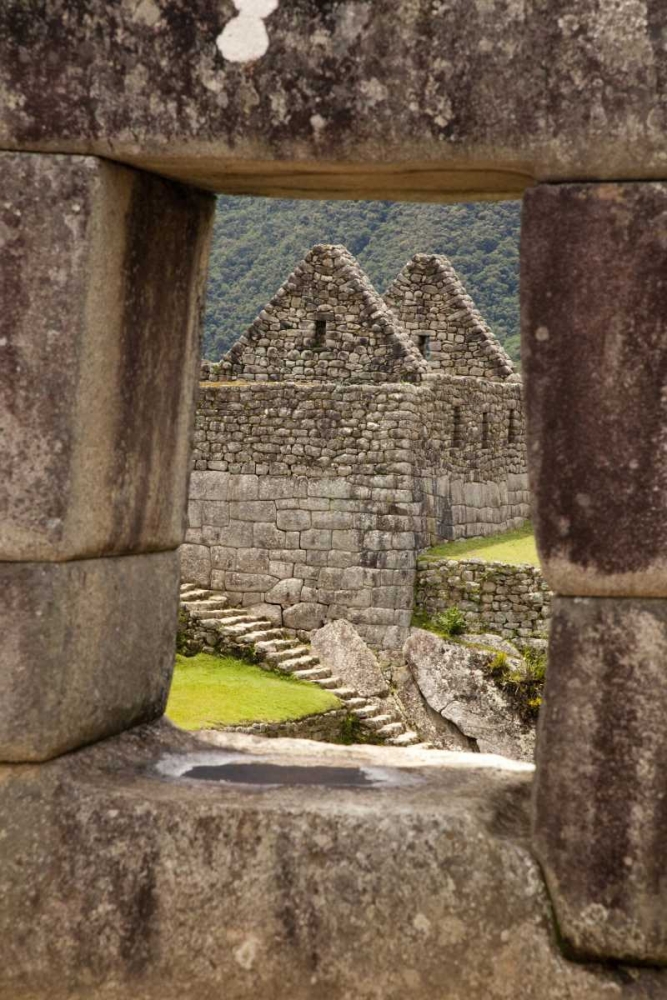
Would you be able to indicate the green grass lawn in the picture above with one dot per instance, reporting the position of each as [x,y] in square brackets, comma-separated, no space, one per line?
[510,547]
[211,691]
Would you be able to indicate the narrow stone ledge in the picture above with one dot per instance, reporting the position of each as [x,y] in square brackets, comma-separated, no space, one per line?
[129,881]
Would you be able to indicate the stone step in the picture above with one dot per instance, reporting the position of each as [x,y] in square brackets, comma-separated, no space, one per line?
[277,645]
[235,618]
[235,629]
[368,711]
[257,634]
[303,663]
[292,649]
[211,603]
[346,694]
[356,701]
[406,739]
[391,729]
[329,683]
[422,746]
[378,722]
[199,595]
[199,613]
[309,673]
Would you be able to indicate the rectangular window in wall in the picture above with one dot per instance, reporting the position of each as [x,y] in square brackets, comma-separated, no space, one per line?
[424,344]
[457,428]
[513,428]
[485,430]
[320,332]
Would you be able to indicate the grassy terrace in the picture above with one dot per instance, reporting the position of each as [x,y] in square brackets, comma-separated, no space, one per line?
[516,546]
[212,691]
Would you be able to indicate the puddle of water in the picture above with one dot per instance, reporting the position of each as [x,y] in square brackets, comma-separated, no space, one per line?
[227,767]
[279,774]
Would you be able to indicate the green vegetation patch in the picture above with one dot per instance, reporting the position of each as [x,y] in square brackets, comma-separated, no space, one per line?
[213,691]
[448,624]
[515,547]
[525,686]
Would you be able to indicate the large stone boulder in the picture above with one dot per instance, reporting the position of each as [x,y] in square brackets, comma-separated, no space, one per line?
[455,681]
[341,648]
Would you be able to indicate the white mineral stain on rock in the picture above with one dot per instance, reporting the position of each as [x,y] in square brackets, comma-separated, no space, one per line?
[318,123]
[422,924]
[245,37]
[373,91]
[542,333]
[246,953]
[147,12]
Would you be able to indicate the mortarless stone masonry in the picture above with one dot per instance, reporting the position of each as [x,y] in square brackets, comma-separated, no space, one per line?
[313,490]
[510,600]
[434,308]
[326,323]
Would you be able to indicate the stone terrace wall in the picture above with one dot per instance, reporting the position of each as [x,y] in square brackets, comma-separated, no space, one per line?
[429,300]
[313,500]
[496,597]
[326,323]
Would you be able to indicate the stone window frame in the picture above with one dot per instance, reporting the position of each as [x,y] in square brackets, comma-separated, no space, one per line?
[486,430]
[457,427]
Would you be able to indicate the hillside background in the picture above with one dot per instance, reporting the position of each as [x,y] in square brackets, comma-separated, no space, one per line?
[258,241]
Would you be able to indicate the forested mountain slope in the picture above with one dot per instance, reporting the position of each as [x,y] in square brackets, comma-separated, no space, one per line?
[258,241]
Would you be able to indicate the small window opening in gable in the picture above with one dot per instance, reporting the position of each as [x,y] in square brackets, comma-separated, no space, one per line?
[424,344]
[485,430]
[513,428]
[457,428]
[320,332]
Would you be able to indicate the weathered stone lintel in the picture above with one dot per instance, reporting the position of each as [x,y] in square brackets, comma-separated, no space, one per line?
[169,98]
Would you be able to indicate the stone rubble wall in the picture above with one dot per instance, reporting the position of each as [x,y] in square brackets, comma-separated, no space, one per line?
[361,340]
[310,503]
[429,299]
[510,600]
[325,727]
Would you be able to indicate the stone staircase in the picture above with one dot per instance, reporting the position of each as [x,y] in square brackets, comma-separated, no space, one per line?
[278,649]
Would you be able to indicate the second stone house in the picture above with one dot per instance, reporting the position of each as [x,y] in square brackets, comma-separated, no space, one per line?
[342,434]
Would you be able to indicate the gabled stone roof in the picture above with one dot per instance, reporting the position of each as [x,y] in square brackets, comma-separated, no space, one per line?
[429,299]
[359,338]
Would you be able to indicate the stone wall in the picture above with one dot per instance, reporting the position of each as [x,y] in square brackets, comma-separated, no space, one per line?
[326,727]
[471,457]
[510,600]
[326,323]
[431,304]
[314,500]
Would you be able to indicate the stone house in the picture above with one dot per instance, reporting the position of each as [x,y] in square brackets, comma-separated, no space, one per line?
[433,307]
[326,323]
[333,443]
